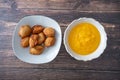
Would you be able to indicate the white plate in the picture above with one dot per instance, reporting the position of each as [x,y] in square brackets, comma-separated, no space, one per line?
[98,51]
[50,53]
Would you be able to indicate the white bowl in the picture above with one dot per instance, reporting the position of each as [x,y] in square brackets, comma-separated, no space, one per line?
[98,51]
[50,53]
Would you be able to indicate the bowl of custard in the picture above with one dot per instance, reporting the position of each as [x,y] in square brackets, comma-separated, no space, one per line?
[85,39]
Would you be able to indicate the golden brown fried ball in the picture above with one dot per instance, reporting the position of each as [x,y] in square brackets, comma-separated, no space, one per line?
[37,29]
[35,37]
[37,50]
[49,32]
[50,41]
[41,38]
[33,41]
[25,42]
[24,31]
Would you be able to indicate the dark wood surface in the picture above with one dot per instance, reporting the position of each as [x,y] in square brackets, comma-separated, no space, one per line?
[64,67]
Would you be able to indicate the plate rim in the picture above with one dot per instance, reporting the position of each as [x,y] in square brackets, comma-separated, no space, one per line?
[13,36]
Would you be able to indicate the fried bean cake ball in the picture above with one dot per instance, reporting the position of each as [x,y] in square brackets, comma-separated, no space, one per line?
[50,41]
[37,29]
[49,32]
[41,38]
[24,31]
[25,42]
[37,50]
[33,41]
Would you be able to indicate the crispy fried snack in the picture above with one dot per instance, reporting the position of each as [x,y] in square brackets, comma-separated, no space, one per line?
[37,29]
[33,40]
[41,38]
[49,32]
[24,31]
[25,42]
[50,41]
[37,38]
[37,50]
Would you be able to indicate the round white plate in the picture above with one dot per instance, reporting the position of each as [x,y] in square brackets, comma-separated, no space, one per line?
[98,51]
[50,53]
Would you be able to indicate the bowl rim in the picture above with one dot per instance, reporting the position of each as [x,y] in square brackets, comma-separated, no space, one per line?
[94,54]
[13,35]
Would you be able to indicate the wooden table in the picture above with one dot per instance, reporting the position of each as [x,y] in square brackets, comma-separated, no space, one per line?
[64,67]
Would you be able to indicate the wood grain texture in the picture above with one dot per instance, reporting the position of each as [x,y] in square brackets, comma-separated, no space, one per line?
[59,74]
[64,67]
[83,5]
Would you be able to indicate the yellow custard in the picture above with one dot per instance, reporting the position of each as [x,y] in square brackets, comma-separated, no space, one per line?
[84,38]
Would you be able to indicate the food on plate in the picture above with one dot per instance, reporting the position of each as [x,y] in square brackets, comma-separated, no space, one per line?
[41,38]
[37,38]
[49,32]
[84,38]
[33,40]
[37,29]
[24,31]
[49,41]
[25,42]
[36,50]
